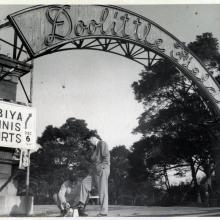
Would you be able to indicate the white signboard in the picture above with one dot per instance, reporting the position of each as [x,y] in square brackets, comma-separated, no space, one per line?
[17,126]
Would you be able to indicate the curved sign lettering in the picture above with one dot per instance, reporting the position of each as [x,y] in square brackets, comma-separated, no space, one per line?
[42,28]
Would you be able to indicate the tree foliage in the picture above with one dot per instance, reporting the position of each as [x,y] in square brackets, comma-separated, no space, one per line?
[119,173]
[176,114]
[125,188]
[63,150]
[206,48]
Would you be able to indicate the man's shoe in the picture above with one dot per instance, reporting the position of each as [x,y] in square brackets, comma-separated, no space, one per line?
[101,215]
[82,212]
[63,213]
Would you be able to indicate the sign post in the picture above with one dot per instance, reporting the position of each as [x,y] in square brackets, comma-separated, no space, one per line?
[24,159]
[12,131]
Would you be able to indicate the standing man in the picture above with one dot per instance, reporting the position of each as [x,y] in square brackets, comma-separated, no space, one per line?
[101,169]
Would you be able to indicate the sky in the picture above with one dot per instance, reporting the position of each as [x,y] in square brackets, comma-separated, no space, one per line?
[96,86]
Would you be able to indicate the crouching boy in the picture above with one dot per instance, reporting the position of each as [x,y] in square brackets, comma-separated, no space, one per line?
[73,193]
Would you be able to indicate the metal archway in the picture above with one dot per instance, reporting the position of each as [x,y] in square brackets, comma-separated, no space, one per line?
[48,29]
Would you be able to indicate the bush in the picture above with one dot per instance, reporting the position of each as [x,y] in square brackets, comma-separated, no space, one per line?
[179,195]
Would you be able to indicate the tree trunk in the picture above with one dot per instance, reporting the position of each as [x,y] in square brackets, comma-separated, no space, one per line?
[208,181]
[167,182]
[117,195]
[194,178]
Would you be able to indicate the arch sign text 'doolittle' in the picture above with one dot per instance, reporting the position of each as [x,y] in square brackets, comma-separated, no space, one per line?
[42,28]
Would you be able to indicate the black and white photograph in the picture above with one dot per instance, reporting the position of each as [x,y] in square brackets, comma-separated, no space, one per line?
[110,109]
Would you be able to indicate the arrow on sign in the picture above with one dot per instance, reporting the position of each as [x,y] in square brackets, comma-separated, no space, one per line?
[29,116]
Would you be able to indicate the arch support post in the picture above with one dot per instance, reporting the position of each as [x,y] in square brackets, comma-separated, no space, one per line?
[217,164]
[215,179]
[10,72]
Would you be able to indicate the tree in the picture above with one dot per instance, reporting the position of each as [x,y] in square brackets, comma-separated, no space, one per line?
[174,109]
[119,172]
[123,188]
[206,48]
[173,114]
[64,150]
[151,158]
